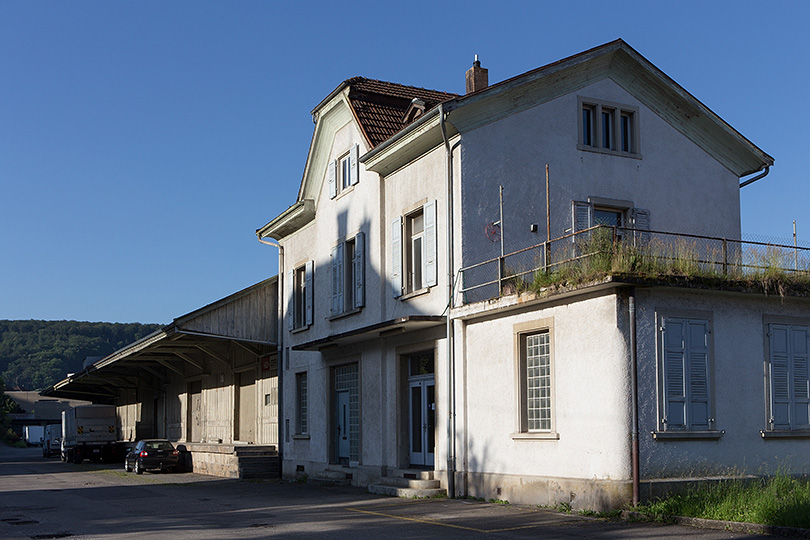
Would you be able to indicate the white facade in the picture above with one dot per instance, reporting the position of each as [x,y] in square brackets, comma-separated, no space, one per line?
[367,373]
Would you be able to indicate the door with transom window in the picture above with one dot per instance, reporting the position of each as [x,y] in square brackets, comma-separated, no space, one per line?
[422,409]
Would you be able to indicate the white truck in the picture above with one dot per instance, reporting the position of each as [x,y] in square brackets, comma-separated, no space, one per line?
[88,432]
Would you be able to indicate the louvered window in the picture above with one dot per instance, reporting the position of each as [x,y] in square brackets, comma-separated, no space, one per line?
[348,275]
[685,374]
[413,251]
[299,302]
[788,383]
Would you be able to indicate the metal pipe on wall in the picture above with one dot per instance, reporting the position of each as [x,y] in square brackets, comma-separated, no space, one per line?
[634,457]
[280,351]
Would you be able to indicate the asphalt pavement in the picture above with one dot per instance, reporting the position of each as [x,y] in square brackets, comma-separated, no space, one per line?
[45,498]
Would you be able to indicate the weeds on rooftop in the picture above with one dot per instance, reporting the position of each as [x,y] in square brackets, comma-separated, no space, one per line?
[773,269]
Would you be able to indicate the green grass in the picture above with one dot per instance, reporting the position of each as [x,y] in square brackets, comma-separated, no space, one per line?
[780,500]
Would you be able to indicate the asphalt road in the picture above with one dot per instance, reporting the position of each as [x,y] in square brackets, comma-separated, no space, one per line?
[45,498]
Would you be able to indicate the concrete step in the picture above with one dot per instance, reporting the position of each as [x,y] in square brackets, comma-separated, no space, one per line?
[252,450]
[398,481]
[412,474]
[330,477]
[410,493]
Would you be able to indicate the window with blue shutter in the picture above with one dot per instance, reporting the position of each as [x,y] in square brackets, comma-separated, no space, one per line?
[348,275]
[685,374]
[788,382]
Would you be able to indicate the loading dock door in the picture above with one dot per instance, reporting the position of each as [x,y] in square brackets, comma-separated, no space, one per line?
[246,405]
[195,411]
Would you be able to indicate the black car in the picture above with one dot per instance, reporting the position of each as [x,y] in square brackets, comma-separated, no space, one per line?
[152,454]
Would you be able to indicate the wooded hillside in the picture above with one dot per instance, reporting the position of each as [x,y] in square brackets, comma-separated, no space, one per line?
[36,354]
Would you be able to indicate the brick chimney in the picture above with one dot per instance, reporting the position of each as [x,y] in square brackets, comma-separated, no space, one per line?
[477,77]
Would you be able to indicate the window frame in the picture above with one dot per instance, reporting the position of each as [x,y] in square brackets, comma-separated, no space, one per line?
[592,115]
[771,429]
[521,334]
[301,404]
[690,428]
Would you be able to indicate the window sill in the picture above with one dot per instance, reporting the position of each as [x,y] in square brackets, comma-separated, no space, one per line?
[301,437]
[297,330]
[344,314]
[536,436]
[420,292]
[786,434]
[608,151]
[686,435]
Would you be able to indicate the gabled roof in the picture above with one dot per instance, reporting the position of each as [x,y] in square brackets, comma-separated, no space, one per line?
[615,60]
[380,107]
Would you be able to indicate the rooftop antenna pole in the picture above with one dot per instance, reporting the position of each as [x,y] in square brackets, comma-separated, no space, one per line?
[795,249]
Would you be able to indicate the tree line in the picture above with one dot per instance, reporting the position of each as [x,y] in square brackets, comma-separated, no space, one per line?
[36,354]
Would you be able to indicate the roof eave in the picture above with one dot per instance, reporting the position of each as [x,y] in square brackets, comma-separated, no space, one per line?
[294,217]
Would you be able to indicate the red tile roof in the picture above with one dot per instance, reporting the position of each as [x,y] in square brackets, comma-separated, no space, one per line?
[381,106]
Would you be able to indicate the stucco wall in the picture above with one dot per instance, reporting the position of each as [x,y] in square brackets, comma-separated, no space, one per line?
[738,384]
[684,188]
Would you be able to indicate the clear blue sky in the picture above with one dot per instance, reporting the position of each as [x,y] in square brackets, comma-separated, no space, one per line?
[143,143]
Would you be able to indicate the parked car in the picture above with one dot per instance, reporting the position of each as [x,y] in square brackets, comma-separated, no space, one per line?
[152,454]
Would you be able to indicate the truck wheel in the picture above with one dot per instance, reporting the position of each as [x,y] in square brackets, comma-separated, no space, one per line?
[138,469]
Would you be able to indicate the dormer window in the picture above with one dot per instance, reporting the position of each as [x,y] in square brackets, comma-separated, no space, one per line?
[609,128]
[415,110]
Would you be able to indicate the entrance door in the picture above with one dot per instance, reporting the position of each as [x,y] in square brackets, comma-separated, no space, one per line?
[422,410]
[342,423]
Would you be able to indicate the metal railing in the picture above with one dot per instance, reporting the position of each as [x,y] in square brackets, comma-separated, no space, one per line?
[604,249]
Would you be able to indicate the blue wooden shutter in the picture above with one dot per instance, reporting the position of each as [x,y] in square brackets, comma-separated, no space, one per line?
[698,376]
[359,270]
[396,257]
[429,273]
[674,374]
[337,279]
[801,384]
[331,178]
[779,375]
[291,300]
[309,269]
[355,164]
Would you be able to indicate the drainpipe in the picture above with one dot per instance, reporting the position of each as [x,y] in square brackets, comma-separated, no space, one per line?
[451,380]
[634,395]
[280,349]
[766,168]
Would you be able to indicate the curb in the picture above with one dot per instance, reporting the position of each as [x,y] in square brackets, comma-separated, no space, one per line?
[716,524]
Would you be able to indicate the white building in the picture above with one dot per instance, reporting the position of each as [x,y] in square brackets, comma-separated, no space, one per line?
[528,397]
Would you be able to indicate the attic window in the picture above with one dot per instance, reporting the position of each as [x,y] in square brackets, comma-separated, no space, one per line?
[609,128]
[415,110]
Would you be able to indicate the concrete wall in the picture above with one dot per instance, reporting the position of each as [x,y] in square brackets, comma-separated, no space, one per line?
[684,188]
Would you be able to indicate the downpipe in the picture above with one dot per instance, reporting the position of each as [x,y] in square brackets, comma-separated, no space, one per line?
[634,453]
[279,351]
[450,335]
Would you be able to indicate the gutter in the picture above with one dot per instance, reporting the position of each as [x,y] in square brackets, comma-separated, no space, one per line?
[280,350]
[766,168]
